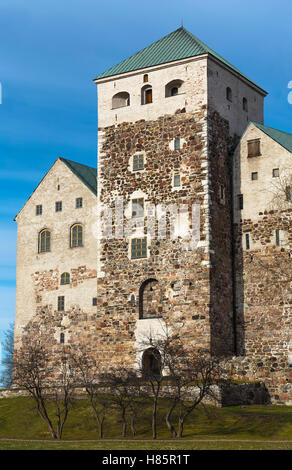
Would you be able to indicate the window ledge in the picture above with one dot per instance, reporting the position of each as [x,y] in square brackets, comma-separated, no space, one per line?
[119,107]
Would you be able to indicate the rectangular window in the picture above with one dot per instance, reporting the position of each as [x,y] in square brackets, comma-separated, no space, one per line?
[240,201]
[138,207]
[94,301]
[62,338]
[138,162]
[39,209]
[61,304]
[79,202]
[276,172]
[277,237]
[247,244]
[176,181]
[59,206]
[254,176]
[177,143]
[254,148]
[288,193]
[139,248]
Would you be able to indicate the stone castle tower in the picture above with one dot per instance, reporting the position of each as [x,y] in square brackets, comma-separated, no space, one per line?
[167,117]
[186,233]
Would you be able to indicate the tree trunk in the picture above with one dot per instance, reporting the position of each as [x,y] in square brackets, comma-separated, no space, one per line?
[168,423]
[154,416]
[180,427]
[133,424]
[124,433]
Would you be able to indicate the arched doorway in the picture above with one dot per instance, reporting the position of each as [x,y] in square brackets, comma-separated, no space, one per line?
[151,363]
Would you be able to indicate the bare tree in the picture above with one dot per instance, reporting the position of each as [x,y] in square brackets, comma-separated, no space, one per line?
[90,377]
[192,377]
[7,359]
[35,371]
[125,394]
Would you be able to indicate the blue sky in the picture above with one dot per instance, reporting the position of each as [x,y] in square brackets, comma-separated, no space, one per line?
[51,50]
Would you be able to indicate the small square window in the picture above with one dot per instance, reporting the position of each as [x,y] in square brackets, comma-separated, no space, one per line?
[138,207]
[138,162]
[39,209]
[240,201]
[176,181]
[254,176]
[139,248]
[59,206]
[61,304]
[276,173]
[94,301]
[254,148]
[177,143]
[79,202]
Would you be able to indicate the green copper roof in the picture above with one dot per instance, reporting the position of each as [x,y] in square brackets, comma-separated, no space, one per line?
[283,138]
[86,174]
[179,44]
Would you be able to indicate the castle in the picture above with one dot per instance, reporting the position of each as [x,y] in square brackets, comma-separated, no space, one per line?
[102,258]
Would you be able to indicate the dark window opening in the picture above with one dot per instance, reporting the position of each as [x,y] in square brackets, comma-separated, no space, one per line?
[94,301]
[240,201]
[145,78]
[288,193]
[276,172]
[244,104]
[62,338]
[39,209]
[177,143]
[254,176]
[229,94]
[151,363]
[254,148]
[61,304]
[79,202]
[59,206]
[247,241]
[277,237]
[65,278]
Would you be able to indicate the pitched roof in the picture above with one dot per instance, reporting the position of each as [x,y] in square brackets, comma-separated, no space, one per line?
[86,174]
[283,138]
[180,44]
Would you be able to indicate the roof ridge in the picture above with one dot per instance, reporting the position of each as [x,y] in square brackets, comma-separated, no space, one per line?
[73,161]
[272,128]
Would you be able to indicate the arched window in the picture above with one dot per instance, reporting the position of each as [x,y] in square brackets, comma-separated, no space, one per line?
[146,94]
[120,100]
[65,278]
[229,94]
[151,363]
[244,104]
[150,299]
[173,88]
[44,241]
[76,235]
[145,78]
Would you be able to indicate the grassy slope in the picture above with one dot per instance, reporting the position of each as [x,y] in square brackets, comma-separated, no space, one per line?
[19,420]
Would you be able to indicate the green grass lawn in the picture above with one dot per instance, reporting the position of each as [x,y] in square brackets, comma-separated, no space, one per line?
[19,420]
